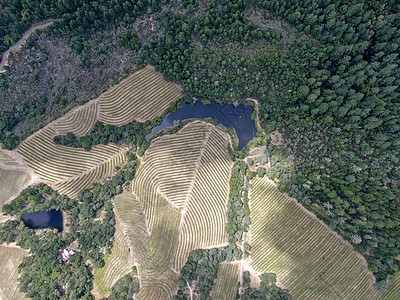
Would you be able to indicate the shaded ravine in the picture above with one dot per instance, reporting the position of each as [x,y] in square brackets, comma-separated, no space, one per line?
[22,40]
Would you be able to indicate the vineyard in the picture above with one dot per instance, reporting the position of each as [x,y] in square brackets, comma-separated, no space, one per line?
[226,285]
[177,204]
[12,182]
[142,96]
[394,288]
[78,121]
[70,170]
[308,259]
[14,177]
[10,258]
[153,252]
[118,263]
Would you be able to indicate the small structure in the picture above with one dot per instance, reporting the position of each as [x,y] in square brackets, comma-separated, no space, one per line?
[66,254]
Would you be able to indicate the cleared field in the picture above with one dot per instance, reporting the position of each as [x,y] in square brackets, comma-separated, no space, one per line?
[308,259]
[118,264]
[11,183]
[70,170]
[225,287]
[14,177]
[9,160]
[10,258]
[177,204]
[142,96]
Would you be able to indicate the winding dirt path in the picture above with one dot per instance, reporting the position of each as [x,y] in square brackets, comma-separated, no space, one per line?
[22,40]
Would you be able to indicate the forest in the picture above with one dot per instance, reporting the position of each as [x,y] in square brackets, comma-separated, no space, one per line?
[329,83]
[132,133]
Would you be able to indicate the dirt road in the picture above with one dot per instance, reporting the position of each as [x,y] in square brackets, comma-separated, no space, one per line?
[22,40]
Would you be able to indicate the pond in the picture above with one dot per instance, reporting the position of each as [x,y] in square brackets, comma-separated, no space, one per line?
[44,219]
[238,117]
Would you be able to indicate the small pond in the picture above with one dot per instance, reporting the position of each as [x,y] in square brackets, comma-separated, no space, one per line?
[238,117]
[44,219]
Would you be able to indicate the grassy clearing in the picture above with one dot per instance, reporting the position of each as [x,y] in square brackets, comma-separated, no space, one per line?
[142,96]
[225,287]
[12,182]
[308,258]
[10,258]
[177,204]
[9,160]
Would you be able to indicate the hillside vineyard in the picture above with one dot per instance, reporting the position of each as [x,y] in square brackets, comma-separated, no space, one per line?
[298,200]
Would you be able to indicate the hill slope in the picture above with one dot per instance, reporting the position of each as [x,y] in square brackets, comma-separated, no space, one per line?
[309,260]
[177,204]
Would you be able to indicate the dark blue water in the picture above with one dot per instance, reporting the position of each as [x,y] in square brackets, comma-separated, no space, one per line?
[44,219]
[237,117]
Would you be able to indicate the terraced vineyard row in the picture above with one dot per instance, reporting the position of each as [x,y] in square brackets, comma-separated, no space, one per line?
[154,251]
[204,219]
[178,204]
[394,288]
[70,170]
[308,259]
[177,157]
[158,279]
[118,263]
[142,96]
[53,162]
[10,259]
[98,174]
[226,285]
[78,121]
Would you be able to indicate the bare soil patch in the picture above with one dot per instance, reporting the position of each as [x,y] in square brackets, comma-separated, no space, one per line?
[277,138]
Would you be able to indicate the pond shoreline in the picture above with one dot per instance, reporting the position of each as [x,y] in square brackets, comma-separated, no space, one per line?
[237,117]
